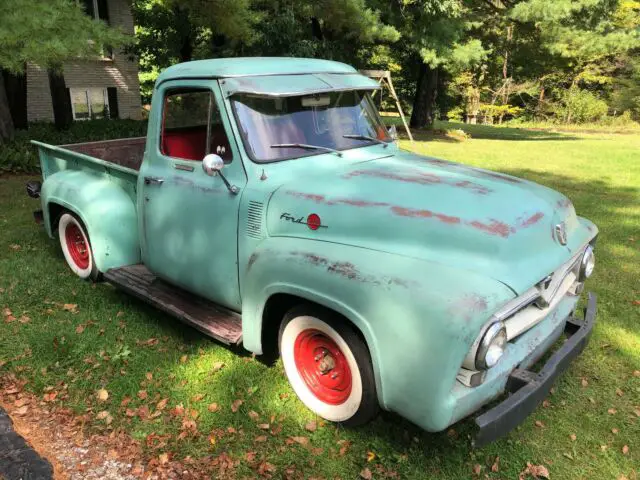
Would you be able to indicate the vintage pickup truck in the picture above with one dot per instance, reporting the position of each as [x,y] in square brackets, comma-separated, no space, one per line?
[268,206]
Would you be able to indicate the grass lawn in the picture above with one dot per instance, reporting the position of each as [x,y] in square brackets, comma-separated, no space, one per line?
[111,341]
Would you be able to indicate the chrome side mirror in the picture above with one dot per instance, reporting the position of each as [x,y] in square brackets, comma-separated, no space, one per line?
[212,164]
[393,133]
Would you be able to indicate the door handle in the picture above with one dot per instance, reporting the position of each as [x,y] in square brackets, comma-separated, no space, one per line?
[153,180]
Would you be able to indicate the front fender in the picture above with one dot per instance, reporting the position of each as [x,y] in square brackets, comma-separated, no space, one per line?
[418,318]
[107,211]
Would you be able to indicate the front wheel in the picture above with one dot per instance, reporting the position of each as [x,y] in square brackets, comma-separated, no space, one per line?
[76,247]
[328,365]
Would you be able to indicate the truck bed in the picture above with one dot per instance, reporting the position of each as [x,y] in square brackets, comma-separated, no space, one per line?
[127,152]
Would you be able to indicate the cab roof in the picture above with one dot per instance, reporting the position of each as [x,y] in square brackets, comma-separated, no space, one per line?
[252,66]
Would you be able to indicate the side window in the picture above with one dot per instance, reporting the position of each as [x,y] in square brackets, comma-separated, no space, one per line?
[185,120]
[192,126]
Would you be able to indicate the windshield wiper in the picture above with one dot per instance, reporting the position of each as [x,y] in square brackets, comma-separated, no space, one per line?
[306,147]
[367,137]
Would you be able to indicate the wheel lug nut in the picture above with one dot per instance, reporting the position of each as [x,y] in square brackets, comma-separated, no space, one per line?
[334,375]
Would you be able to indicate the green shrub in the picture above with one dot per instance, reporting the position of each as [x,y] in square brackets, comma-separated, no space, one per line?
[19,155]
[581,106]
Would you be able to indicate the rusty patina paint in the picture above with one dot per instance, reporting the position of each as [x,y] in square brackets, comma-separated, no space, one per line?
[468,306]
[421,178]
[408,212]
[495,227]
[336,201]
[532,220]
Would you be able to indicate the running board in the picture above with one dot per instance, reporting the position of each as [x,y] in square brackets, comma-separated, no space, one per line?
[208,317]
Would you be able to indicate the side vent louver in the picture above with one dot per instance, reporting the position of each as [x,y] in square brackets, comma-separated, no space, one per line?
[254,219]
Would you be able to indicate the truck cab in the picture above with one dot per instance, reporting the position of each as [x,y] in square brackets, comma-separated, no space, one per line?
[269,206]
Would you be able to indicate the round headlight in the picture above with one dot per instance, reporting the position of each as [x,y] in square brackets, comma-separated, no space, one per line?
[491,346]
[587,264]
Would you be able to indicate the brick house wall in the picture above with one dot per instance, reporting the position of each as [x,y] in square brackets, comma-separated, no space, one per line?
[120,72]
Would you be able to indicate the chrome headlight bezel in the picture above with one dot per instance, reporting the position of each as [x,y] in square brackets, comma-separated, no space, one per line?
[492,346]
[587,264]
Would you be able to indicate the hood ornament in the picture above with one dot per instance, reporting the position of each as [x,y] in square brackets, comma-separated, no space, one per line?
[561,233]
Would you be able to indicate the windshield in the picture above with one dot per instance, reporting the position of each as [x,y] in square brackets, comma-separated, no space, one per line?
[276,129]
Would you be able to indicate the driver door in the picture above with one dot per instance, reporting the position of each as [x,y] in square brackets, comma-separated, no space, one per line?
[189,220]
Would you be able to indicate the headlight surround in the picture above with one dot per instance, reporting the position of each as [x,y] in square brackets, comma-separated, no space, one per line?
[587,264]
[492,346]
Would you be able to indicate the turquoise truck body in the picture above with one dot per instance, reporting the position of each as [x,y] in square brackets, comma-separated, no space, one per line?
[415,252]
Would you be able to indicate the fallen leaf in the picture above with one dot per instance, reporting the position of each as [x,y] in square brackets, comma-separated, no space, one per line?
[15,247]
[50,397]
[538,471]
[265,468]
[103,395]
[217,366]
[261,438]
[79,329]
[253,415]
[162,403]
[236,405]
[366,474]
[300,440]
[197,398]
[573,437]
[496,465]
[212,440]
[345,444]
[213,407]
[250,456]
[70,307]
[24,319]
[311,426]
[614,431]
[636,373]
[612,411]
[102,415]
[163,458]
[130,413]
[371,456]
[22,410]
[625,449]
[636,302]
[263,426]
[546,403]
[183,359]
[477,468]
[125,401]
[539,424]
[149,376]
[619,392]
[142,395]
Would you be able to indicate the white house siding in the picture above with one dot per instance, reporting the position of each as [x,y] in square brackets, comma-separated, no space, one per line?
[119,72]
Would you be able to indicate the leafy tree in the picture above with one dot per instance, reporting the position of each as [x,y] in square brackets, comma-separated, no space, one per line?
[47,33]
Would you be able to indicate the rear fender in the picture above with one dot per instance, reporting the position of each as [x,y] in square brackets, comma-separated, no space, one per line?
[106,210]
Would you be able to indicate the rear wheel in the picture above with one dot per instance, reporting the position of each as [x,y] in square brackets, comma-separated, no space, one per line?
[328,365]
[74,241]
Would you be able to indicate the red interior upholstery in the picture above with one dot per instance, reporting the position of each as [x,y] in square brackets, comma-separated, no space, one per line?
[189,144]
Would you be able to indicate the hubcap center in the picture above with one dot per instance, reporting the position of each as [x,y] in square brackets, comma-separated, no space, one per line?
[326,362]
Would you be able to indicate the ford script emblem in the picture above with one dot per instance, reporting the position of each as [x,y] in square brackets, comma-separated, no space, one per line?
[561,233]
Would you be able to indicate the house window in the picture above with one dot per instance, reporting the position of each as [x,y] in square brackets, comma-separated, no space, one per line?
[90,103]
[96,9]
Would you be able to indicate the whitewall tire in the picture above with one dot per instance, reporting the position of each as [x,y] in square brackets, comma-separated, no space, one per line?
[328,365]
[76,247]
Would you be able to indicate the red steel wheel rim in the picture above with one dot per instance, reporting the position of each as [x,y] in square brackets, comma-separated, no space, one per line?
[77,246]
[322,366]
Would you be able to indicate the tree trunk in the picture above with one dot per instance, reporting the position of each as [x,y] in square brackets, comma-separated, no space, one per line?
[16,88]
[6,122]
[424,102]
[60,99]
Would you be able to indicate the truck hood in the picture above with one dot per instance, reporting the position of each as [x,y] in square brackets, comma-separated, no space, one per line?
[443,212]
